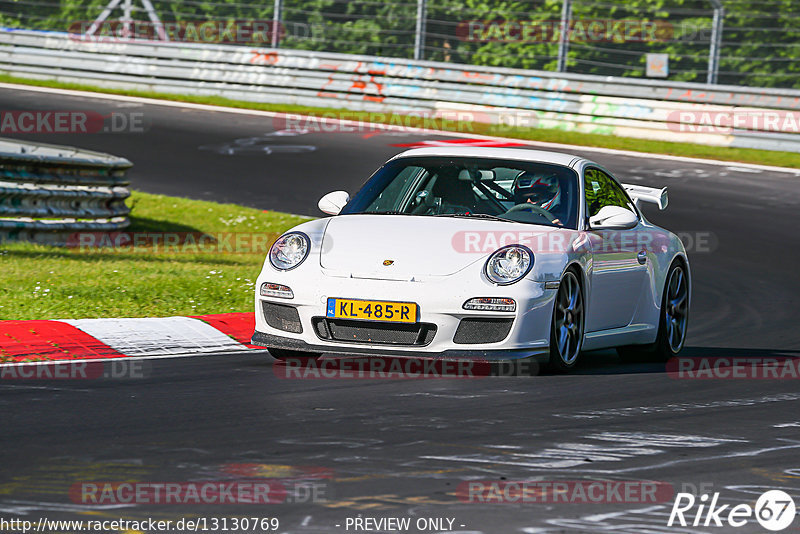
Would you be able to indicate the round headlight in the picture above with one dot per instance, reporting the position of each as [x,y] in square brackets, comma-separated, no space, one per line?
[509,264]
[289,251]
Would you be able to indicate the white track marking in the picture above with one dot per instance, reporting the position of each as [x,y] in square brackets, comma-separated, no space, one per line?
[743,169]
[158,336]
[442,395]
[123,358]
[680,407]
[725,456]
[389,127]
[23,507]
[611,515]
[650,520]
[48,388]
[570,455]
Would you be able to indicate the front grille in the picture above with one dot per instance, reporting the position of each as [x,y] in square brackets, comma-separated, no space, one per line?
[353,331]
[282,317]
[482,330]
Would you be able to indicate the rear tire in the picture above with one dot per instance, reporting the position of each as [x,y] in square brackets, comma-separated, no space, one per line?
[284,354]
[672,322]
[566,328]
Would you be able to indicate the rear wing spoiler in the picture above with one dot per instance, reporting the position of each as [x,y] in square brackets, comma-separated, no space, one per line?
[647,194]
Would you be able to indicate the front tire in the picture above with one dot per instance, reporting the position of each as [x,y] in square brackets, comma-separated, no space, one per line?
[566,330]
[284,354]
[672,323]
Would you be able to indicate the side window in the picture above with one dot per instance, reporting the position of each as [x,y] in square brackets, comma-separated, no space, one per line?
[602,190]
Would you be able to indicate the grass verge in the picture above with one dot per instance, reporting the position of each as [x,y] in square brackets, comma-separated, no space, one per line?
[186,277]
[741,155]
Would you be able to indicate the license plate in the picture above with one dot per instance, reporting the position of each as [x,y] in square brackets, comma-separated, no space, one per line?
[372,310]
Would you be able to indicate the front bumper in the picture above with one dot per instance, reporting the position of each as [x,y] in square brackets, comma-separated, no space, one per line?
[279,342]
[441,302]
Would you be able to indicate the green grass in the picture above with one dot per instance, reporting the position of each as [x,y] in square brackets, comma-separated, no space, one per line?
[742,155]
[45,282]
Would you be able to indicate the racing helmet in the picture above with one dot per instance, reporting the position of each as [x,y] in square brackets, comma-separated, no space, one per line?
[541,189]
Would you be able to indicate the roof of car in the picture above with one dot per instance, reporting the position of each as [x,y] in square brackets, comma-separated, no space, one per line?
[542,156]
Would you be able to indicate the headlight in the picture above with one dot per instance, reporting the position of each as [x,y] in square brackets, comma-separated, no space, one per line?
[509,264]
[289,251]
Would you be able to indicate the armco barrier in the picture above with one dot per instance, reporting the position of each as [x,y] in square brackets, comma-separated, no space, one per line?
[48,191]
[649,109]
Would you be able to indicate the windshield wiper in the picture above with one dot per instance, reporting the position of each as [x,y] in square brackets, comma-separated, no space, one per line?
[473,216]
[383,213]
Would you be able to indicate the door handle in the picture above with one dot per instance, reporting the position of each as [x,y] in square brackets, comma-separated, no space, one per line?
[642,257]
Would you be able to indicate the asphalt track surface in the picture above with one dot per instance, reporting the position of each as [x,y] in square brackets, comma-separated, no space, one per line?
[400,448]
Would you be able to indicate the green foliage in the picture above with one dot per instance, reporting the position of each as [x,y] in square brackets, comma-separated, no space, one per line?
[761,39]
[45,282]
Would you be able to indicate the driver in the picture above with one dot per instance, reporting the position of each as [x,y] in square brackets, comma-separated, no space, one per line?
[542,191]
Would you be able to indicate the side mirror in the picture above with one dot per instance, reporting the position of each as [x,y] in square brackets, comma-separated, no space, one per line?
[613,218]
[332,203]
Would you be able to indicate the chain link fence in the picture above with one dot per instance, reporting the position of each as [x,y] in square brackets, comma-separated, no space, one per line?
[759,41]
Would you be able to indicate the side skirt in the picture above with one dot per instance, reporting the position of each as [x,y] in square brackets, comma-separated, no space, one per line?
[632,334]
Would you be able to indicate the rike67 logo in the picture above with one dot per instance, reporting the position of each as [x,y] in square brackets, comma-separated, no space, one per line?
[774,510]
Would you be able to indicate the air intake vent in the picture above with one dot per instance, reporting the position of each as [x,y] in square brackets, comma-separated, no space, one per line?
[282,317]
[473,331]
[419,334]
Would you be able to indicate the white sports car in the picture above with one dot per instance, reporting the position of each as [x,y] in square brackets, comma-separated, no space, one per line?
[483,253]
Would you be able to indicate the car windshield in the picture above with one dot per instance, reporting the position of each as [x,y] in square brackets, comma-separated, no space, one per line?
[520,191]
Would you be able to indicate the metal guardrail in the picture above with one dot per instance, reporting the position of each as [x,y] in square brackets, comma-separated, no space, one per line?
[647,109]
[48,191]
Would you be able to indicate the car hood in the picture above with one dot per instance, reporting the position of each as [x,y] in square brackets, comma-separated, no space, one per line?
[405,247]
